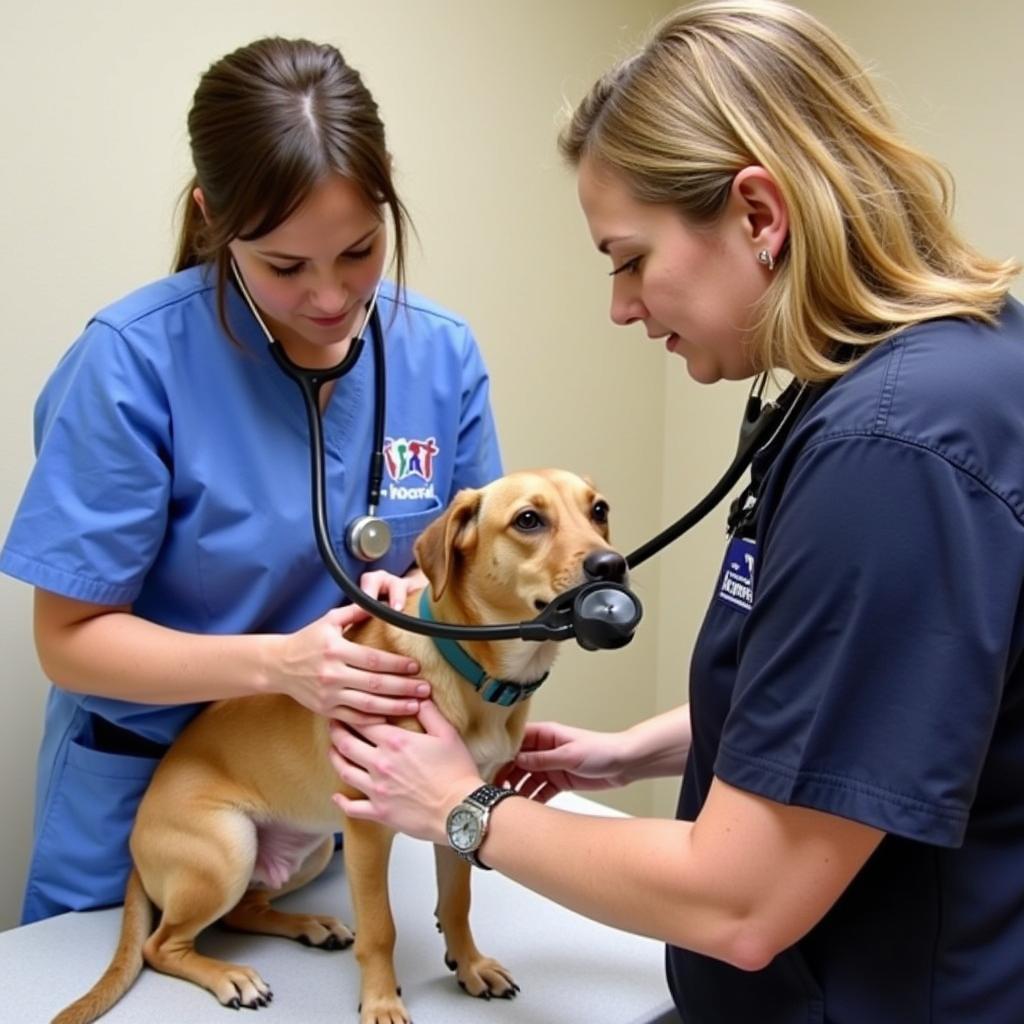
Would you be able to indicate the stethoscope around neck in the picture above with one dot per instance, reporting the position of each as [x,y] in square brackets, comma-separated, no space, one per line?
[600,613]
[367,537]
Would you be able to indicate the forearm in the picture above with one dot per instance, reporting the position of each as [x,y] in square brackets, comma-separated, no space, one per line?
[630,873]
[658,747]
[119,655]
[748,879]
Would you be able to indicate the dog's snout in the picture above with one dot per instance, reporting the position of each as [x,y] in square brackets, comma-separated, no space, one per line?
[605,565]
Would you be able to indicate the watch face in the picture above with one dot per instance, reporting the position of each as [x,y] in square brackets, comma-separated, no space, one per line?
[464,829]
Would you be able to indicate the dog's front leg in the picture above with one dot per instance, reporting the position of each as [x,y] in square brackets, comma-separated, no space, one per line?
[479,975]
[367,849]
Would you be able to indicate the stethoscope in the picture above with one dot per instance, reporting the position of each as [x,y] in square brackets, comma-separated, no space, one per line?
[367,537]
[600,613]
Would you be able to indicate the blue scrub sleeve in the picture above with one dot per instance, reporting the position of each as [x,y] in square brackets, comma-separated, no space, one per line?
[478,459]
[94,510]
[872,664]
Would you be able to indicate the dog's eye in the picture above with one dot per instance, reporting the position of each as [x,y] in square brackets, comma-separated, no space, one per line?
[599,513]
[528,520]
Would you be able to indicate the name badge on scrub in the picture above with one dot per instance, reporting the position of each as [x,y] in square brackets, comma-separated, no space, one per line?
[736,586]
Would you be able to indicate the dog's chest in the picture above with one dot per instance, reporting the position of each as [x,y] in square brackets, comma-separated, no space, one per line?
[491,745]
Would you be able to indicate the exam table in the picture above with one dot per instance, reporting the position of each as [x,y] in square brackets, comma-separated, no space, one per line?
[569,968]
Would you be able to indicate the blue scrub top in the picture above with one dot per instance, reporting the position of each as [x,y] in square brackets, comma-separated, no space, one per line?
[172,474]
[874,670]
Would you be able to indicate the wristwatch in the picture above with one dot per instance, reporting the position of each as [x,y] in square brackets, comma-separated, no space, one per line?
[467,822]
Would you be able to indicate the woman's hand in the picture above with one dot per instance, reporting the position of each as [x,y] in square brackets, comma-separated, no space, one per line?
[397,589]
[410,780]
[327,673]
[555,757]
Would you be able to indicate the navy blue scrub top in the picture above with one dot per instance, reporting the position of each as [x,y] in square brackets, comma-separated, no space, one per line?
[862,656]
[172,474]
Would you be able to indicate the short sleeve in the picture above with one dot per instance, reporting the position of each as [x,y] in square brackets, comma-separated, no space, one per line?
[478,457]
[94,511]
[873,661]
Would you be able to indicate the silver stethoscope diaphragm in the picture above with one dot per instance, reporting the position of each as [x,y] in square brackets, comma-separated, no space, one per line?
[369,538]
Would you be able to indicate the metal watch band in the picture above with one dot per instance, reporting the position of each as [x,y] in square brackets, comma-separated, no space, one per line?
[486,797]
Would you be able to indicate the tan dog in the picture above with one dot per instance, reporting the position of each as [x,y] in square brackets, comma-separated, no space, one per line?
[239,811]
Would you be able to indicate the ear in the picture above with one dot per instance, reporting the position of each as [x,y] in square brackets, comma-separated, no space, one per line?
[200,201]
[762,207]
[455,530]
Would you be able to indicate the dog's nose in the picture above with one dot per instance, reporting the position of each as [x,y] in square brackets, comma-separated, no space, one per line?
[605,565]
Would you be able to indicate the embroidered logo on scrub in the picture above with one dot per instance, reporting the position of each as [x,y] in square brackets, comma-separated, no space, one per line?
[409,457]
[737,581]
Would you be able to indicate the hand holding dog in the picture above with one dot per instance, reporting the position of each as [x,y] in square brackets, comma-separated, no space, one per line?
[556,757]
[322,670]
[410,780]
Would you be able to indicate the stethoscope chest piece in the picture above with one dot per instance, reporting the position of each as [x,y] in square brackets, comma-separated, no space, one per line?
[606,617]
[369,538]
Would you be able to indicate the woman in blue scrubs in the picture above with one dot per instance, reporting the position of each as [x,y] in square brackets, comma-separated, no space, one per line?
[849,841]
[166,524]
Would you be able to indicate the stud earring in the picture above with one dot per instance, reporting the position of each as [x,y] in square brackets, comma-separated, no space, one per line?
[765,257]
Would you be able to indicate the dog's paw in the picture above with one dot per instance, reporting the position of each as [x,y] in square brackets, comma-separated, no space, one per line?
[241,987]
[324,933]
[384,1010]
[484,978]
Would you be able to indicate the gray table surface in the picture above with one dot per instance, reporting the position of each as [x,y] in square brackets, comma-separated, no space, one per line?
[570,969]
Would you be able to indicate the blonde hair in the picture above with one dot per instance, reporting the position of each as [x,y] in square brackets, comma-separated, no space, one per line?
[727,84]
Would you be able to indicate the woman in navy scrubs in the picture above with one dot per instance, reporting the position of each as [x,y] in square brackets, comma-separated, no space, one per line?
[849,840]
[166,524]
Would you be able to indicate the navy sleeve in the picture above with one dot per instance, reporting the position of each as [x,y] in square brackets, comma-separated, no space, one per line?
[873,661]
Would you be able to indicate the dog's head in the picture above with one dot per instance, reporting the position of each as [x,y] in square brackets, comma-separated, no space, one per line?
[502,552]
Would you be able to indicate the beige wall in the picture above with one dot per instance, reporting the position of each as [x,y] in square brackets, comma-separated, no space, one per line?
[93,103]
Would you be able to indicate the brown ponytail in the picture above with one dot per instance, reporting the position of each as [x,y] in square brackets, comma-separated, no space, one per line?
[189,244]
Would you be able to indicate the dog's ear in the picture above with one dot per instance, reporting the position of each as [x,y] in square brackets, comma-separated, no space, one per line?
[455,530]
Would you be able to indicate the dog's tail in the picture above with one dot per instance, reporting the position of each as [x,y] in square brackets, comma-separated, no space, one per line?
[126,965]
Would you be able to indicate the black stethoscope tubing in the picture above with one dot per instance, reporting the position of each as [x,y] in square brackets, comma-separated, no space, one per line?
[757,428]
[309,383]
[555,622]
[598,613]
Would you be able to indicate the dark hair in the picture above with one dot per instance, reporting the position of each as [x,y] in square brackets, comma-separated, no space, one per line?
[268,123]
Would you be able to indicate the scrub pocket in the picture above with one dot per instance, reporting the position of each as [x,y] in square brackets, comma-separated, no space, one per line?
[81,859]
[404,531]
